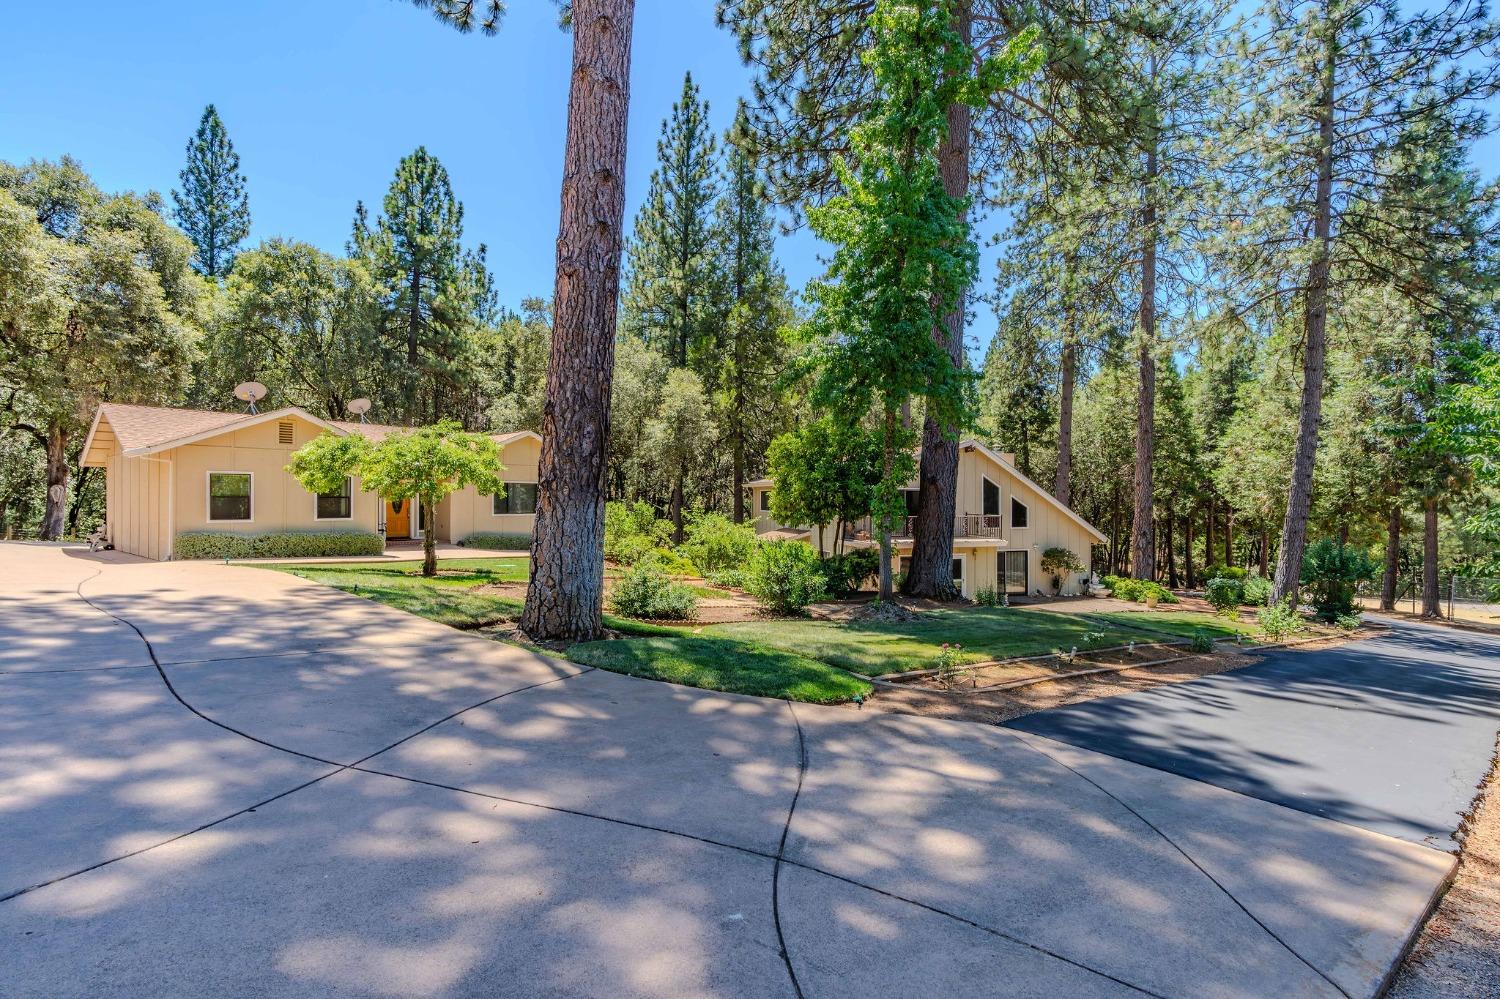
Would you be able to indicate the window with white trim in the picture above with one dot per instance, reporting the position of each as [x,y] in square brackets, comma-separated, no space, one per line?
[765,501]
[336,506]
[230,496]
[519,497]
[958,571]
[1018,513]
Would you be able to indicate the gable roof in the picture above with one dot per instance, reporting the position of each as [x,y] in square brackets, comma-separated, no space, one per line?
[144,430]
[1046,496]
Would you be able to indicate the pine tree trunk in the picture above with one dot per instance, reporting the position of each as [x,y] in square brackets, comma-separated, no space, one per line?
[1265,550]
[1167,546]
[1143,546]
[564,599]
[57,484]
[1392,560]
[1208,534]
[1228,534]
[1431,605]
[931,572]
[1315,324]
[1063,487]
[1187,552]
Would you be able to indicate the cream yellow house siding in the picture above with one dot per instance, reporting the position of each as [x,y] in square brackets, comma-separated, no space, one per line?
[278,501]
[466,512]
[138,505]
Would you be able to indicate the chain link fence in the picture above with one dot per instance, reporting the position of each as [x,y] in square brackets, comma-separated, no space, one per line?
[1473,598]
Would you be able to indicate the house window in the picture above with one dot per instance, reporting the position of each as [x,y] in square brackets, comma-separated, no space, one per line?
[991,499]
[520,497]
[336,506]
[958,572]
[229,495]
[1018,513]
[765,501]
[912,496]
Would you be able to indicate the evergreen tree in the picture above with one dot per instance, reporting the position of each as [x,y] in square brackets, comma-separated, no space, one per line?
[755,308]
[670,266]
[212,207]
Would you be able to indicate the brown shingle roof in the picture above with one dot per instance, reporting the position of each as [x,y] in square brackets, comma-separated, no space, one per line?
[149,426]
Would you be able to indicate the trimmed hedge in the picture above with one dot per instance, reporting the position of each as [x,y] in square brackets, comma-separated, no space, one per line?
[221,545]
[495,541]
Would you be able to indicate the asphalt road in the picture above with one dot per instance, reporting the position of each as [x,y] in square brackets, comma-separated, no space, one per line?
[1392,734]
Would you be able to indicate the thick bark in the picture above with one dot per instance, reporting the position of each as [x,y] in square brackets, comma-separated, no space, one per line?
[1171,559]
[1187,553]
[57,484]
[564,599]
[1143,544]
[1063,486]
[1392,560]
[1431,605]
[931,573]
[1315,326]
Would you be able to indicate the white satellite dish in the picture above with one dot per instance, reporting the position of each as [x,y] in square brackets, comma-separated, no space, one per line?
[250,392]
[359,407]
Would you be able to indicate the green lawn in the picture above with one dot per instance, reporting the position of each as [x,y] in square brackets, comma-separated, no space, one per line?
[1180,623]
[723,664]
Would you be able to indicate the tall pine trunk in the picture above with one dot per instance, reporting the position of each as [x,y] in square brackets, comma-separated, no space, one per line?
[1432,606]
[1143,543]
[57,484]
[1187,552]
[931,572]
[1392,559]
[564,599]
[1063,485]
[887,459]
[1208,534]
[1315,327]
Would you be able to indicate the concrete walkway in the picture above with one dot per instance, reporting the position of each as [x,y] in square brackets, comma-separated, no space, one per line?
[291,791]
[1392,734]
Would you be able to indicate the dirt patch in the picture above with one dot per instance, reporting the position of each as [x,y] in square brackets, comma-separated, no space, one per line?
[730,610]
[1458,951]
[867,607]
[515,591]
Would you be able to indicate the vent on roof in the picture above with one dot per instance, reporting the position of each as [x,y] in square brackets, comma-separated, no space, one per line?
[285,429]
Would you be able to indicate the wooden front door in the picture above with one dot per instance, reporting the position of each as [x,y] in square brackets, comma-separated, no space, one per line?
[1013,579]
[398,519]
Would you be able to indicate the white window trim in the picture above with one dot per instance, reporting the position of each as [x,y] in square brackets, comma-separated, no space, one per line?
[208,496]
[494,498]
[1012,514]
[349,479]
[963,581]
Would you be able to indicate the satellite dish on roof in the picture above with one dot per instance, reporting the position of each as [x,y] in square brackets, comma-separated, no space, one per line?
[359,407]
[250,392]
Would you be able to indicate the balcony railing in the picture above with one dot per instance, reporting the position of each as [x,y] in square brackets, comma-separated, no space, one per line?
[965,525]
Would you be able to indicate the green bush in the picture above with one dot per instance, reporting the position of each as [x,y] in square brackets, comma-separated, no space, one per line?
[733,579]
[1331,571]
[988,596]
[845,572]
[283,544]
[646,591]
[714,543]
[495,541]
[1281,620]
[1221,571]
[1138,590]
[1225,594]
[1060,563]
[786,576]
[1257,590]
[632,531]
[1202,642]
[1347,622]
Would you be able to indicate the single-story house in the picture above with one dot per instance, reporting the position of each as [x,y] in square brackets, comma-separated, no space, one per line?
[1003,523]
[173,470]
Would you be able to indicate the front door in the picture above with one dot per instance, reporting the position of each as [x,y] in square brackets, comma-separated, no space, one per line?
[398,519]
[1013,573]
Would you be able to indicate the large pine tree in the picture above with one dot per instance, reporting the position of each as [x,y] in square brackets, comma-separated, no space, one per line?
[212,207]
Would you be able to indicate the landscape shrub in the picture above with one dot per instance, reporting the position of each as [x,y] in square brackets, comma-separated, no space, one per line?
[988,596]
[1202,642]
[1347,622]
[496,541]
[714,543]
[280,544]
[1225,594]
[1331,571]
[632,531]
[1221,571]
[733,579]
[846,571]
[1281,620]
[646,591]
[1060,563]
[1138,590]
[786,576]
[1257,590]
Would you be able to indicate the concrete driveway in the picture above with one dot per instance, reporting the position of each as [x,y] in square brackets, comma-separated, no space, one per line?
[1392,734]
[220,780]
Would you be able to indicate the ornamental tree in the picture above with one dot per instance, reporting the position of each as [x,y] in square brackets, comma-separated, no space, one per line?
[425,464]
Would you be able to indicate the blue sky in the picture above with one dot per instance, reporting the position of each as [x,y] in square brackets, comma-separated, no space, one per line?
[322,99]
